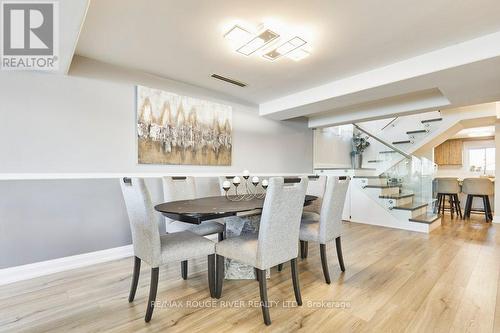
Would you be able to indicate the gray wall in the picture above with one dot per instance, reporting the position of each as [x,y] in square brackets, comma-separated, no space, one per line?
[53,126]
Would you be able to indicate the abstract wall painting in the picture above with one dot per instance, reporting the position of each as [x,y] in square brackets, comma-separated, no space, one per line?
[174,129]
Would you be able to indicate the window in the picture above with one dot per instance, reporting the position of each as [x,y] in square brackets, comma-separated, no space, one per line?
[482,159]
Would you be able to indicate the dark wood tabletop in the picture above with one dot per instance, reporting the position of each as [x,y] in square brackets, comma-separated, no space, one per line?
[209,208]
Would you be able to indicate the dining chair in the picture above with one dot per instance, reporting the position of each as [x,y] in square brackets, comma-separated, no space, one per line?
[448,187]
[316,187]
[327,226]
[478,187]
[155,249]
[275,243]
[184,188]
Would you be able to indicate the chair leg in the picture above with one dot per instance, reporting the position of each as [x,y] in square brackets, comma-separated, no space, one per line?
[438,203]
[468,205]
[256,274]
[338,245]
[295,280]
[211,274]
[450,202]
[490,213]
[135,279]
[324,262]
[280,267]
[264,303]
[485,205]
[153,288]
[459,209]
[303,249]
[184,269]
[220,236]
[220,276]
[443,199]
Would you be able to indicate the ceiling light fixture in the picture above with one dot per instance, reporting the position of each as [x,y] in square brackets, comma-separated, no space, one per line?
[298,54]
[258,42]
[285,48]
[238,35]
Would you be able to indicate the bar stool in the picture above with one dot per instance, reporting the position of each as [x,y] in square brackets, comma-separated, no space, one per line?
[478,187]
[448,187]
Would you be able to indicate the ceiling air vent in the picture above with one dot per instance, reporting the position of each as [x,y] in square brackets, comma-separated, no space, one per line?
[226,79]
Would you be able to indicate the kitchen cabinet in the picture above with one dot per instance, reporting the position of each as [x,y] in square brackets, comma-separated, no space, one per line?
[449,153]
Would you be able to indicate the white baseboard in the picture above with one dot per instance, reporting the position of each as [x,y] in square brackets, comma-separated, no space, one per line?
[496,219]
[29,271]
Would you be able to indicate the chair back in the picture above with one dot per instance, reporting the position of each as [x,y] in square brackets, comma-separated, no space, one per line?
[330,220]
[478,186]
[448,185]
[280,222]
[178,188]
[143,223]
[316,187]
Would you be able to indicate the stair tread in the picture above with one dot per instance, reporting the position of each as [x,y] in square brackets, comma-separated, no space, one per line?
[416,131]
[396,196]
[431,120]
[387,152]
[383,186]
[401,142]
[425,218]
[375,161]
[371,177]
[411,206]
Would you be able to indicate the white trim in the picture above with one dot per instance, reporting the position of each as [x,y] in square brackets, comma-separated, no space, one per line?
[29,271]
[53,176]
[496,219]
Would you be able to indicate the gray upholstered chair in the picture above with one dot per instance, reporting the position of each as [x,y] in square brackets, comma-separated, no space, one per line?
[276,242]
[478,187]
[156,249]
[327,227]
[316,187]
[448,187]
[184,188]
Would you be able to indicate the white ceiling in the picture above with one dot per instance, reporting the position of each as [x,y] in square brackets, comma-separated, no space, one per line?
[476,132]
[183,40]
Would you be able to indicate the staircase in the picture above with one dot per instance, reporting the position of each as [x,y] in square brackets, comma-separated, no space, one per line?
[403,204]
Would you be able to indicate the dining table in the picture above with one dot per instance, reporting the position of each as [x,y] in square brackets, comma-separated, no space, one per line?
[239,217]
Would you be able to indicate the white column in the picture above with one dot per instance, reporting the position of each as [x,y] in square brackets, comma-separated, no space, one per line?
[496,217]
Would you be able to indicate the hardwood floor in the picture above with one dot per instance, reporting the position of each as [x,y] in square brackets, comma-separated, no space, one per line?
[394,281]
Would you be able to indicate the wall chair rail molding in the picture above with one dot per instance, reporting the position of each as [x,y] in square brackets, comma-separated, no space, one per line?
[54,176]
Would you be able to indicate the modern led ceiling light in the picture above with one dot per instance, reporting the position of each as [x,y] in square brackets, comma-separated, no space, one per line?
[258,42]
[238,35]
[298,54]
[245,42]
[285,48]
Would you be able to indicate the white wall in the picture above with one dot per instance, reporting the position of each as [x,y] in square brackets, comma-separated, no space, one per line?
[85,123]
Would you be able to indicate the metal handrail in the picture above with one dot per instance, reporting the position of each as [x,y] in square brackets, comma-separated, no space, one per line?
[382,141]
[383,128]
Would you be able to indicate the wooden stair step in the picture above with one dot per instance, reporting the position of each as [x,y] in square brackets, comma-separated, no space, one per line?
[401,142]
[411,206]
[431,120]
[375,161]
[387,152]
[425,218]
[396,196]
[416,131]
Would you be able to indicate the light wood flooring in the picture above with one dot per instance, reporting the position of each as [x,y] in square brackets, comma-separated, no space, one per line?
[394,281]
